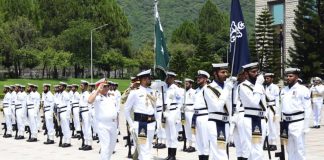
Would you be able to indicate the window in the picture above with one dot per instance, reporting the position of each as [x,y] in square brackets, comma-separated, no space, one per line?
[277,13]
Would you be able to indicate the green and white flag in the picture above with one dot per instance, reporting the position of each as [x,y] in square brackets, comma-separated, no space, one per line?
[161,52]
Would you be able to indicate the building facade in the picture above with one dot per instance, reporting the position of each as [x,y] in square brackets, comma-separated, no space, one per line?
[283,14]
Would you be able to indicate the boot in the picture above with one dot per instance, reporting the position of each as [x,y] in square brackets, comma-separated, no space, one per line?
[169,154]
[239,158]
[201,157]
[244,158]
[206,157]
[173,154]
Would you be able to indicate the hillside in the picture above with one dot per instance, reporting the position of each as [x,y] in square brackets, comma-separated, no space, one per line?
[172,13]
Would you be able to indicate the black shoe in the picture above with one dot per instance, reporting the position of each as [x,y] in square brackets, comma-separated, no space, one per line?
[318,126]
[156,145]
[49,142]
[273,148]
[81,148]
[180,138]
[161,146]
[20,137]
[313,126]
[7,136]
[96,138]
[191,149]
[169,154]
[65,145]
[173,154]
[87,148]
[32,140]
[75,136]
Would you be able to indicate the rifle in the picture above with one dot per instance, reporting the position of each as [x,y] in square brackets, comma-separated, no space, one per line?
[4,128]
[59,127]
[72,127]
[128,142]
[80,132]
[183,121]
[16,135]
[281,154]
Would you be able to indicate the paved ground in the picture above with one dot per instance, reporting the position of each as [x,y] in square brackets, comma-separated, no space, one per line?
[11,149]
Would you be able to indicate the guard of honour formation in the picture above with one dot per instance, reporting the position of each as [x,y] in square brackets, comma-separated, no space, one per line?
[248,112]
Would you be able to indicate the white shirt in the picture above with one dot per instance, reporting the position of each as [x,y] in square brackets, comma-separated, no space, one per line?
[317,93]
[228,98]
[75,99]
[37,98]
[105,110]
[272,92]
[7,100]
[295,99]
[189,99]
[48,99]
[249,98]
[13,97]
[84,105]
[172,95]
[140,103]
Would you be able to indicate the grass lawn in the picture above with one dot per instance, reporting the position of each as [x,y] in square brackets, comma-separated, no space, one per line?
[122,84]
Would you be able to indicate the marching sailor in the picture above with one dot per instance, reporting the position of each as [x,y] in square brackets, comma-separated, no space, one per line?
[85,116]
[64,110]
[75,99]
[32,112]
[142,101]
[220,109]
[295,102]
[251,95]
[272,98]
[189,111]
[6,103]
[105,118]
[48,99]
[317,94]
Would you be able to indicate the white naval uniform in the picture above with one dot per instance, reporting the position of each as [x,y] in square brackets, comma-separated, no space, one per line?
[64,113]
[181,92]
[12,107]
[189,111]
[6,104]
[251,99]
[48,106]
[160,130]
[142,105]
[20,109]
[32,111]
[272,93]
[75,99]
[293,100]
[201,113]
[218,112]
[85,117]
[172,98]
[92,118]
[106,121]
[37,105]
[317,94]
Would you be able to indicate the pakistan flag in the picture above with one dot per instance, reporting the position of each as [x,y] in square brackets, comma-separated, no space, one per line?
[161,52]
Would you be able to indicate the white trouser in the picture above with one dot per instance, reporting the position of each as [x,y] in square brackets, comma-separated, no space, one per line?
[161,131]
[317,108]
[145,149]
[171,130]
[237,134]
[202,135]
[187,126]
[216,152]
[65,125]
[108,137]
[296,141]
[93,122]
[32,121]
[13,117]
[8,115]
[76,118]
[20,114]
[252,150]
[49,124]
[273,130]
[86,128]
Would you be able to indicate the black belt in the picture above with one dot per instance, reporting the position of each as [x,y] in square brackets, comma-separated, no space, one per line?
[18,108]
[159,107]
[159,111]
[75,103]
[5,106]
[30,108]
[216,120]
[62,107]
[83,106]
[297,120]
[189,104]
[75,106]
[84,111]
[172,109]
[144,117]
[203,114]
[47,106]
[5,103]
[30,105]
[250,116]
[220,113]
[200,109]
[46,111]
[61,112]
[173,104]
[18,105]
[293,114]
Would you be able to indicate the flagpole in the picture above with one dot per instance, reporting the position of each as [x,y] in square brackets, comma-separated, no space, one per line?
[155,10]
[233,56]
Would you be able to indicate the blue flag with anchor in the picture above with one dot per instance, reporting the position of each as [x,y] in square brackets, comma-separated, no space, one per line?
[239,50]
[161,53]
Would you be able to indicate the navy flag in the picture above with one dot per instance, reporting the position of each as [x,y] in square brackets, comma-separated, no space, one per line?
[161,53]
[239,50]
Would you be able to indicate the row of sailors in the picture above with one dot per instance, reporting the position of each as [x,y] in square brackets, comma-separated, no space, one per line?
[66,105]
[242,110]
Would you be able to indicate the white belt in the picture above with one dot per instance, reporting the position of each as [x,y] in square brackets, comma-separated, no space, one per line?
[293,118]
[201,111]
[254,112]
[218,117]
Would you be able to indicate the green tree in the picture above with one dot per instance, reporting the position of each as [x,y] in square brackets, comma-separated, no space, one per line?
[306,52]
[266,43]
[179,60]
[187,32]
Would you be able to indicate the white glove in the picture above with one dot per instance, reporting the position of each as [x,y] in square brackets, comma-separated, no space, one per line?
[132,129]
[229,84]
[260,79]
